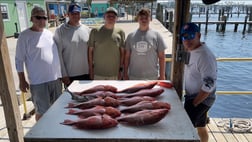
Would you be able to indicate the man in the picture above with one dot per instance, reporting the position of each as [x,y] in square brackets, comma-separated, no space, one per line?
[71,39]
[38,52]
[106,49]
[200,79]
[144,55]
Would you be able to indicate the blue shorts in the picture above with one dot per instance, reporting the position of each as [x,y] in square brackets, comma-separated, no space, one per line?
[45,94]
[198,114]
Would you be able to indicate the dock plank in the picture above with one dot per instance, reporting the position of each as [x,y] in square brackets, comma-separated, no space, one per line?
[218,136]
[248,136]
[228,136]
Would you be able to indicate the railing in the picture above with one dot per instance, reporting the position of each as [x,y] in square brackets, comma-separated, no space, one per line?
[229,60]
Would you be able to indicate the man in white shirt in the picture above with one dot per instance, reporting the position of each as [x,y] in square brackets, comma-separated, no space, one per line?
[37,50]
[200,79]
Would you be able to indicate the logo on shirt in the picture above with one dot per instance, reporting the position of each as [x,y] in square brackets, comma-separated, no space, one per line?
[209,82]
[141,47]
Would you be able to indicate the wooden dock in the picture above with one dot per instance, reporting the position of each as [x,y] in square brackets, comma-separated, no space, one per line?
[216,133]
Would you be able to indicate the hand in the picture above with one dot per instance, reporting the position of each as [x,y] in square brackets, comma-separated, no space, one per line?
[161,78]
[66,80]
[120,76]
[125,77]
[24,86]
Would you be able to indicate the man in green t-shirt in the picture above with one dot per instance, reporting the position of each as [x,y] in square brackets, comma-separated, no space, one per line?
[106,49]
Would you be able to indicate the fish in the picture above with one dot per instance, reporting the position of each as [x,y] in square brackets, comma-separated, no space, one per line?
[138,87]
[144,117]
[107,101]
[146,105]
[102,94]
[79,98]
[97,110]
[97,88]
[154,92]
[92,122]
[166,84]
[134,100]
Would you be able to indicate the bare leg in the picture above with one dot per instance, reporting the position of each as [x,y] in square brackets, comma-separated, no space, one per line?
[203,134]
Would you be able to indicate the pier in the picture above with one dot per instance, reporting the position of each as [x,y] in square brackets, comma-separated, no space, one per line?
[216,133]
[221,22]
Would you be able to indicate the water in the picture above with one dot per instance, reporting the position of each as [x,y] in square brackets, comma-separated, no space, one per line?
[232,76]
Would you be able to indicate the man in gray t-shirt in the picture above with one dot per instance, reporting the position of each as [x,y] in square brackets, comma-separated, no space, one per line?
[144,55]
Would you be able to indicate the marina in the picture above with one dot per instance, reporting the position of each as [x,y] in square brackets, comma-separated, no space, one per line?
[217,132]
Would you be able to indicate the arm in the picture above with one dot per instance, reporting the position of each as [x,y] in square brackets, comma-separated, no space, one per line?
[58,40]
[126,64]
[208,69]
[161,58]
[122,50]
[120,74]
[19,62]
[200,97]
[90,62]
[91,46]
[23,85]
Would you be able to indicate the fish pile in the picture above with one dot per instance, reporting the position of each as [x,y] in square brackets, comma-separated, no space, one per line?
[98,107]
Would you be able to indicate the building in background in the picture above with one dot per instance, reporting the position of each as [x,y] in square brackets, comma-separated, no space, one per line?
[16,14]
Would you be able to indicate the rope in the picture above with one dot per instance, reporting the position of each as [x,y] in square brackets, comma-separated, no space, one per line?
[236,125]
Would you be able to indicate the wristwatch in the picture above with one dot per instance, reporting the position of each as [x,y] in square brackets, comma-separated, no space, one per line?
[120,69]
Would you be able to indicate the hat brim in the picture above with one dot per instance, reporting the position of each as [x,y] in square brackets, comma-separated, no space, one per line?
[111,12]
[209,1]
[188,32]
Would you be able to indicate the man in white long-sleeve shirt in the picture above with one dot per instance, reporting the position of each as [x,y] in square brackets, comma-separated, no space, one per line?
[37,50]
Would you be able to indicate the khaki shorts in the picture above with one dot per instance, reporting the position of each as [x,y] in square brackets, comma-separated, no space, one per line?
[45,94]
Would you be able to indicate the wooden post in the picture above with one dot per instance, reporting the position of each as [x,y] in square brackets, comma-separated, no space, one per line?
[207,12]
[171,21]
[245,25]
[250,19]
[8,91]
[177,70]
[236,27]
[219,18]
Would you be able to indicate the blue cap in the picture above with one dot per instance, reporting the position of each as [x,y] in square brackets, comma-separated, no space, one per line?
[189,28]
[74,8]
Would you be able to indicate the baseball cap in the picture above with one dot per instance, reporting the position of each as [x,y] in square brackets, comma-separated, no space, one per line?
[188,31]
[112,10]
[190,28]
[37,10]
[74,8]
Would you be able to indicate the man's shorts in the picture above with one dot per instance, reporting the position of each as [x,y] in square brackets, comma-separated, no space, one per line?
[45,94]
[198,114]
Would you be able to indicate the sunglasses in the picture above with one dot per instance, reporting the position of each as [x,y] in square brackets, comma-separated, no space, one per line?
[188,36]
[40,17]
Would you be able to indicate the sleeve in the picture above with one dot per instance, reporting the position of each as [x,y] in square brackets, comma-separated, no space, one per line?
[20,53]
[91,40]
[57,39]
[128,42]
[208,70]
[161,44]
[122,44]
